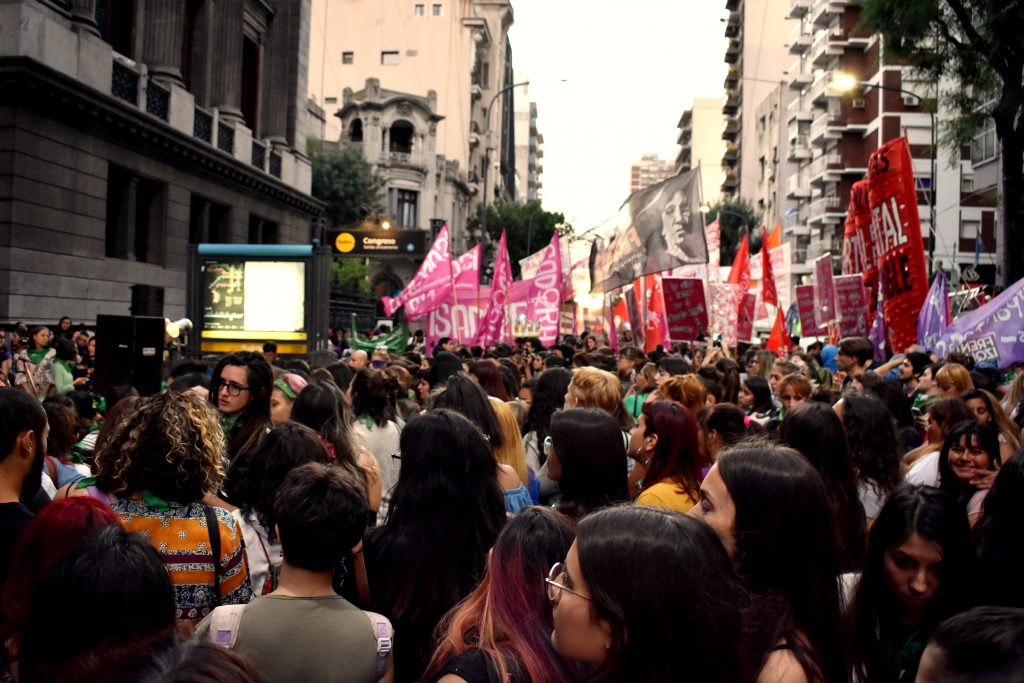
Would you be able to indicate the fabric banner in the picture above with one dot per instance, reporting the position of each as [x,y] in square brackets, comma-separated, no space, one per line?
[635,317]
[994,332]
[769,290]
[851,306]
[824,291]
[858,251]
[654,325]
[935,315]
[546,293]
[739,274]
[805,307]
[745,316]
[686,311]
[431,285]
[896,237]
[658,228]
[457,321]
[492,326]
[725,302]
[778,342]
[466,269]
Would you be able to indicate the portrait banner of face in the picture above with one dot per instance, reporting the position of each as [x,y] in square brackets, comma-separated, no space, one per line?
[660,228]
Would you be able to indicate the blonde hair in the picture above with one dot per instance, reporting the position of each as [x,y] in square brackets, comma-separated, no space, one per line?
[686,390]
[955,376]
[798,382]
[510,452]
[595,388]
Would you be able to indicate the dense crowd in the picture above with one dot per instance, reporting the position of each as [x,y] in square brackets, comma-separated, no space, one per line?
[510,514]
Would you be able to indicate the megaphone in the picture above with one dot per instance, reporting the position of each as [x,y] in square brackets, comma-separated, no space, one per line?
[174,328]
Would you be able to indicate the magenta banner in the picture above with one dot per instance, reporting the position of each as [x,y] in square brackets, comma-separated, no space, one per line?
[851,305]
[805,308]
[685,308]
[492,326]
[824,292]
[745,316]
[546,293]
[431,285]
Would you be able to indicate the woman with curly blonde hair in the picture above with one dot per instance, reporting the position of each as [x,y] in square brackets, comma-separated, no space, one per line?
[159,462]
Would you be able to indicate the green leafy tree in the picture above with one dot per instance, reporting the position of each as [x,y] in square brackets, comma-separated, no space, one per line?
[350,274]
[346,182]
[979,44]
[528,228]
[736,217]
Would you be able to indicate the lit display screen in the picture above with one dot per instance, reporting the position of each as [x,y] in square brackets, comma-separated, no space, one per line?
[260,297]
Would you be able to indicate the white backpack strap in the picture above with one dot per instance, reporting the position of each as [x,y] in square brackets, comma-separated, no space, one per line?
[383,633]
[224,621]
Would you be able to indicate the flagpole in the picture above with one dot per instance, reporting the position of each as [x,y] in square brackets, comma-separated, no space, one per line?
[455,296]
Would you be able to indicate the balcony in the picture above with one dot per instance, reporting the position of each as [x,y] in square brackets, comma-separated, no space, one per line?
[825,169]
[819,91]
[732,152]
[732,78]
[731,128]
[825,209]
[799,40]
[799,150]
[799,8]
[797,187]
[731,180]
[798,111]
[732,53]
[823,11]
[732,102]
[732,25]
[798,80]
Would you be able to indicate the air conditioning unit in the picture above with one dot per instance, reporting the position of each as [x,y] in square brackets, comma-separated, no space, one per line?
[859,104]
[911,100]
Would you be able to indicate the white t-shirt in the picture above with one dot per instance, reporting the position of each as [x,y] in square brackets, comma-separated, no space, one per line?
[925,472]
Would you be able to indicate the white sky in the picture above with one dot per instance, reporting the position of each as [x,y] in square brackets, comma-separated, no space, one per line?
[632,67]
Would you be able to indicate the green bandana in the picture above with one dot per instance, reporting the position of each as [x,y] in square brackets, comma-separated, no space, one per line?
[285,389]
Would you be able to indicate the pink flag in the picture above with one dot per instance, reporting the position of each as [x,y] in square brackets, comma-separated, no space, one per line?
[546,293]
[466,271]
[492,325]
[431,285]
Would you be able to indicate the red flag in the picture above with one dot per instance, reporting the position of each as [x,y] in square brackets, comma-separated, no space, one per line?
[769,292]
[774,238]
[739,274]
[778,341]
[654,330]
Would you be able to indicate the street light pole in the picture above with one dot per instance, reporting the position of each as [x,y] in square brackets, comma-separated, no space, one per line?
[487,160]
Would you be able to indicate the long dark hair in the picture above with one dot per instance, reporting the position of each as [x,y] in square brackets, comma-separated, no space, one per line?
[464,396]
[677,453]
[445,513]
[590,449]
[762,392]
[730,370]
[255,419]
[786,556]
[372,394]
[871,438]
[548,396]
[974,433]
[632,558]
[815,431]
[489,376]
[874,613]
[999,536]
[321,407]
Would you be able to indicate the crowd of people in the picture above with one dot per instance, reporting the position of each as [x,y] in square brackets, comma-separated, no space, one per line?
[511,514]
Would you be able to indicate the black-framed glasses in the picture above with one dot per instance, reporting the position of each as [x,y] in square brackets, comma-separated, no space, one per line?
[233,389]
[396,456]
[555,583]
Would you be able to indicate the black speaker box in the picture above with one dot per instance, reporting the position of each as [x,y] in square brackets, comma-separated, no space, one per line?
[147,300]
[129,350]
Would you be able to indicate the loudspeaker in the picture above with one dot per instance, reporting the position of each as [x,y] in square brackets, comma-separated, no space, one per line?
[129,350]
[147,300]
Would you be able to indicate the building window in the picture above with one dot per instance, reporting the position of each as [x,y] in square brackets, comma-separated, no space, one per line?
[208,221]
[969,229]
[251,82]
[419,10]
[135,217]
[347,57]
[983,147]
[330,100]
[389,58]
[405,210]
[355,131]
[400,137]
[262,231]
[436,9]
[967,183]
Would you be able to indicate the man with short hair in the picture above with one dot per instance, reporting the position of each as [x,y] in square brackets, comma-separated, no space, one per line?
[910,369]
[982,645]
[303,630]
[270,352]
[853,359]
[23,437]
[358,360]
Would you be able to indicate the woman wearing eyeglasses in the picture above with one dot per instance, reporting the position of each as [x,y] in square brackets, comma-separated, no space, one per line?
[240,390]
[622,609]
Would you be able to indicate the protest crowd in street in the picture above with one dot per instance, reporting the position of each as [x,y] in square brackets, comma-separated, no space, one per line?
[521,512]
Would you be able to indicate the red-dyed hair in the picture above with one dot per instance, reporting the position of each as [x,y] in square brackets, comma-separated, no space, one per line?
[677,454]
[508,616]
[56,528]
[487,373]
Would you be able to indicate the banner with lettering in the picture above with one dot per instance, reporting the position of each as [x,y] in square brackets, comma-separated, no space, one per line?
[858,251]
[491,328]
[993,332]
[431,285]
[896,236]
[824,292]
[725,303]
[686,309]
[805,307]
[851,305]
[745,316]
[546,293]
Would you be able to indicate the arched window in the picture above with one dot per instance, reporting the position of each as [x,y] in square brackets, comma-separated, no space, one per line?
[401,136]
[355,131]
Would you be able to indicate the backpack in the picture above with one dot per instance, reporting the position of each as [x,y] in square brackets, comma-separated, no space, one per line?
[224,622]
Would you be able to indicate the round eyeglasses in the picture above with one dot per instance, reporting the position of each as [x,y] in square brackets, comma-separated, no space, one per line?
[555,583]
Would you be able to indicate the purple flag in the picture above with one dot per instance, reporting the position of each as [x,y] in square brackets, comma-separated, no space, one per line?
[491,327]
[991,333]
[934,317]
[877,333]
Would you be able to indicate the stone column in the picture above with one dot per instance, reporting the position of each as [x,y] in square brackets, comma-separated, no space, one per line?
[276,103]
[83,16]
[163,37]
[226,81]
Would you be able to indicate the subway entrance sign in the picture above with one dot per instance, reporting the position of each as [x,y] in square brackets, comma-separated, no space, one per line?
[379,243]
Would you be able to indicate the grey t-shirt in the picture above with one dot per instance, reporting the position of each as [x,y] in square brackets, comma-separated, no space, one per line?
[286,639]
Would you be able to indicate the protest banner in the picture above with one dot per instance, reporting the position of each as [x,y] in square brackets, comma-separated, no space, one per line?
[824,291]
[992,333]
[745,316]
[492,326]
[851,306]
[685,308]
[725,302]
[805,307]
[430,286]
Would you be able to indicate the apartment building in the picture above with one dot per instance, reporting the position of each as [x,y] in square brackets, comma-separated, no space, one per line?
[757,57]
[650,170]
[529,146]
[700,144]
[458,49]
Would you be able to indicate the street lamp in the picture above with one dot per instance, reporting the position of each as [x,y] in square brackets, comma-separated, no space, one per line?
[487,159]
[843,83]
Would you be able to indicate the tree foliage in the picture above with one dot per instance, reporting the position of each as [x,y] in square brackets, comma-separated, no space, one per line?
[736,217]
[528,228]
[348,184]
[979,45]
[350,274]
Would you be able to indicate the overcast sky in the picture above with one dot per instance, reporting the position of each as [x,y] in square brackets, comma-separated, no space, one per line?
[631,69]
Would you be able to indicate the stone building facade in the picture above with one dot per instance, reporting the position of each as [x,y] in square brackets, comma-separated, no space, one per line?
[129,130]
